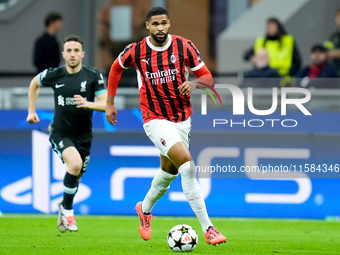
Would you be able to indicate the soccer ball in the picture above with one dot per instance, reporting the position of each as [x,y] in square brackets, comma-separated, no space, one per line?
[182,238]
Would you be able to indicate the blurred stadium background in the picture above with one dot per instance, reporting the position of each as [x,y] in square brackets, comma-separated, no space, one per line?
[123,160]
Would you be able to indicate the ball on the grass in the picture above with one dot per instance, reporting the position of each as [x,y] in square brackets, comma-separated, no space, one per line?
[182,238]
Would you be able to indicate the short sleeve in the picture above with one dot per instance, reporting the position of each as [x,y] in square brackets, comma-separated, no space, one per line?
[126,57]
[46,76]
[99,87]
[194,61]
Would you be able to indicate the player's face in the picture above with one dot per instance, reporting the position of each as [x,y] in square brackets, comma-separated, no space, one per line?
[159,28]
[73,54]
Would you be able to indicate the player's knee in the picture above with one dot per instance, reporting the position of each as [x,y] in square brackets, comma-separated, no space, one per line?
[189,181]
[179,154]
[75,167]
[169,167]
[185,168]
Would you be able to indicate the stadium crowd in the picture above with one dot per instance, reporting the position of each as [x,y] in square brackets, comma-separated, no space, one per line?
[276,55]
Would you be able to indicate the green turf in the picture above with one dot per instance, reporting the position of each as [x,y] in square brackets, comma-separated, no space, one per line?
[38,234]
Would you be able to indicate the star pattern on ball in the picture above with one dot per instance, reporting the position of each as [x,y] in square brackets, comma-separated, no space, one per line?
[182,238]
[178,243]
[184,229]
[193,242]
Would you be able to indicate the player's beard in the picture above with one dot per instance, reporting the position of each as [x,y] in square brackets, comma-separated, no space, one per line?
[73,65]
[160,40]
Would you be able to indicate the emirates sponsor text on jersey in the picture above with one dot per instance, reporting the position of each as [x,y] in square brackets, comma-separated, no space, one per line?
[161,77]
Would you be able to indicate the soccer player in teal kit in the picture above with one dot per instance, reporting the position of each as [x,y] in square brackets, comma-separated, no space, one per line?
[75,87]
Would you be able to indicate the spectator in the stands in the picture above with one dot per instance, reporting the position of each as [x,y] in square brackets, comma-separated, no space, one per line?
[333,43]
[320,67]
[46,48]
[283,53]
[258,76]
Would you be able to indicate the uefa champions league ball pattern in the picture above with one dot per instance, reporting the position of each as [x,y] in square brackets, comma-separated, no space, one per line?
[182,238]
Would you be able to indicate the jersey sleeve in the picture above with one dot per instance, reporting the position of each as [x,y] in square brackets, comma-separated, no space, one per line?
[123,61]
[126,57]
[194,61]
[46,77]
[99,87]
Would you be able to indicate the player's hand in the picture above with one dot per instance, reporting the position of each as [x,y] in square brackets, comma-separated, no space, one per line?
[32,118]
[187,87]
[111,114]
[80,101]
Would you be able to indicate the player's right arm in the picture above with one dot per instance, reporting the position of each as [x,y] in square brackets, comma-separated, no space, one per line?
[123,61]
[113,81]
[33,93]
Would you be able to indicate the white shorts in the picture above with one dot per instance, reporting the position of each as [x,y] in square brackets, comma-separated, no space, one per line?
[164,134]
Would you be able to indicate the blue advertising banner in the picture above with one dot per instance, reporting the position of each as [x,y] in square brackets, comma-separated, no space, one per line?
[123,162]
[217,120]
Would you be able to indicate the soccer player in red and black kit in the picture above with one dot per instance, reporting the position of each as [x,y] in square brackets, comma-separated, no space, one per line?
[161,61]
[75,87]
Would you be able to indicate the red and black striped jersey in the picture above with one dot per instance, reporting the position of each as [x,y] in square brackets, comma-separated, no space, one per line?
[160,70]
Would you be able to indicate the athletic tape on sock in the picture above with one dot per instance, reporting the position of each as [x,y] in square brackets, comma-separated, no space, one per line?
[70,191]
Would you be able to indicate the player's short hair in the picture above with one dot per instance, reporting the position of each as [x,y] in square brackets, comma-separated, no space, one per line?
[73,38]
[51,17]
[154,11]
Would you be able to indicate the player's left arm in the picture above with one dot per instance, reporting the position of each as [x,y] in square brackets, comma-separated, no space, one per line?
[198,67]
[98,105]
[100,93]
[204,80]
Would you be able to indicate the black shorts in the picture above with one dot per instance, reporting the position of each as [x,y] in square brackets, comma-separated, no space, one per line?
[60,143]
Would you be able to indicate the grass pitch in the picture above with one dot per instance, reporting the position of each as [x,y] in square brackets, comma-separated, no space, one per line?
[38,234]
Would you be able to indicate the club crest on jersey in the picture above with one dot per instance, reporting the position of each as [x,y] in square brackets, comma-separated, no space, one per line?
[61,100]
[163,142]
[173,58]
[83,86]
